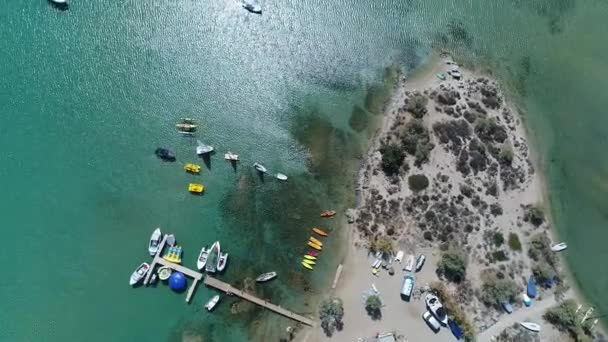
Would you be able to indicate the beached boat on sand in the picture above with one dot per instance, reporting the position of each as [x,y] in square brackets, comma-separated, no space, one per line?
[420,262]
[155,241]
[139,273]
[316,241]
[530,326]
[319,231]
[314,245]
[214,252]
[328,213]
[408,286]
[202,258]
[559,247]
[222,261]
[409,266]
[212,302]
[307,265]
[266,277]
[531,287]
[436,308]
[312,253]
[310,257]
[310,262]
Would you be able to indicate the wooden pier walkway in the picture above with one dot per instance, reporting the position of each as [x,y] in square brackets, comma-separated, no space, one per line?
[190,273]
[230,290]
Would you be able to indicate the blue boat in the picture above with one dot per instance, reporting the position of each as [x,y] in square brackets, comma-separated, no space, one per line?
[531,287]
[455,329]
[507,306]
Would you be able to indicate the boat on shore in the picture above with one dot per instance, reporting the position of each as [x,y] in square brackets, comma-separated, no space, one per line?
[212,302]
[164,273]
[312,253]
[409,266]
[222,261]
[531,287]
[310,262]
[214,252]
[251,6]
[139,273]
[307,265]
[310,257]
[526,300]
[328,213]
[155,241]
[266,277]
[559,247]
[259,167]
[530,326]
[231,156]
[506,306]
[165,154]
[281,176]
[436,308]
[202,149]
[315,241]
[408,286]
[314,245]
[202,258]
[420,262]
[319,231]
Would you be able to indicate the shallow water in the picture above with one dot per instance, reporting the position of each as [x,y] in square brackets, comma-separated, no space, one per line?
[87,94]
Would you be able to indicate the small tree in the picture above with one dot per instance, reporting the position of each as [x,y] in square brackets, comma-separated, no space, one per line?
[452,265]
[417,105]
[495,290]
[331,313]
[392,158]
[514,242]
[373,304]
[498,238]
[506,155]
[382,244]
[543,272]
[418,182]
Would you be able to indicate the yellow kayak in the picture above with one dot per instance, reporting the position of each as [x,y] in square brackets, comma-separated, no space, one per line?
[196,188]
[313,240]
[306,265]
[310,257]
[189,167]
[315,246]
[310,262]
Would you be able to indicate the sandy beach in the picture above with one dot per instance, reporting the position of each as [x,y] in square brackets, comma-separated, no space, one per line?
[488,206]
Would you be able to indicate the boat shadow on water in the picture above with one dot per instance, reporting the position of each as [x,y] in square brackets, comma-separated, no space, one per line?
[207,159]
[62,6]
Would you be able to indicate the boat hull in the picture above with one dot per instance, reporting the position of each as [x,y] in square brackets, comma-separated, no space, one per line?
[314,245]
[319,231]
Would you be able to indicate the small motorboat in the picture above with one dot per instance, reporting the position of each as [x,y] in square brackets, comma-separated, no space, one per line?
[202,258]
[527,301]
[164,273]
[214,252]
[251,6]
[314,245]
[171,240]
[312,253]
[456,330]
[196,188]
[307,265]
[531,288]
[202,149]
[192,168]
[310,257]
[231,156]
[507,306]
[420,262]
[139,273]
[266,277]
[316,241]
[435,307]
[154,241]
[530,326]
[319,231]
[310,262]
[222,261]
[559,247]
[212,303]
[328,213]
[399,256]
[186,125]
[165,154]
[281,176]
[259,168]
[409,266]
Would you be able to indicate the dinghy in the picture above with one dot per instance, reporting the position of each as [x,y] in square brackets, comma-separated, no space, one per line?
[164,273]
[154,241]
[307,265]
[266,277]
[259,168]
[212,302]
[310,257]
[281,176]
[328,213]
[559,247]
[139,273]
[222,261]
[531,288]
[314,245]
[312,253]
[530,326]
[316,241]
[202,258]
[319,231]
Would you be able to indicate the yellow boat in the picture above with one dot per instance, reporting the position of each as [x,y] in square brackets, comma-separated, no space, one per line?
[196,188]
[314,245]
[310,257]
[310,262]
[193,168]
[306,265]
[313,240]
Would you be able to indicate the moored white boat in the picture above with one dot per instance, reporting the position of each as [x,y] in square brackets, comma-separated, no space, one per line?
[259,167]
[222,261]
[203,148]
[139,273]
[212,302]
[436,308]
[202,258]
[266,277]
[281,176]
[530,326]
[155,241]
[231,156]
[399,256]
[213,257]
[559,247]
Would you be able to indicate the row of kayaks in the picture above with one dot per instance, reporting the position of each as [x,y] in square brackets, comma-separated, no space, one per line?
[174,255]
[212,259]
[309,259]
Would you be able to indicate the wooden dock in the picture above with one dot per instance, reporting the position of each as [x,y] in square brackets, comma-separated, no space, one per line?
[230,290]
[186,271]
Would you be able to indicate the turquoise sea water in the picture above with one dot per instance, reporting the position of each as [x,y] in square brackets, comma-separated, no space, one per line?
[86,95]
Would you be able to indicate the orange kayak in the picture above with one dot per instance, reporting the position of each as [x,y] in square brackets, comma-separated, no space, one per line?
[328,213]
[315,241]
[319,231]
[314,245]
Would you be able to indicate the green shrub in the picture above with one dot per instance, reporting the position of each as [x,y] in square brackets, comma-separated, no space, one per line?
[506,155]
[564,317]
[392,158]
[331,313]
[418,182]
[499,239]
[495,290]
[514,242]
[535,215]
[543,272]
[453,265]
[499,256]
[416,141]
[417,105]
[373,304]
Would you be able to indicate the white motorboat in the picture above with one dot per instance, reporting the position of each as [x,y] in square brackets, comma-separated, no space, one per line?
[266,277]
[231,156]
[212,302]
[171,240]
[399,256]
[530,326]
[251,6]
[559,247]
[202,258]
[155,241]
[202,149]
[139,273]
[420,262]
[409,266]
[213,257]
[222,261]
[436,308]
[281,176]
[259,167]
